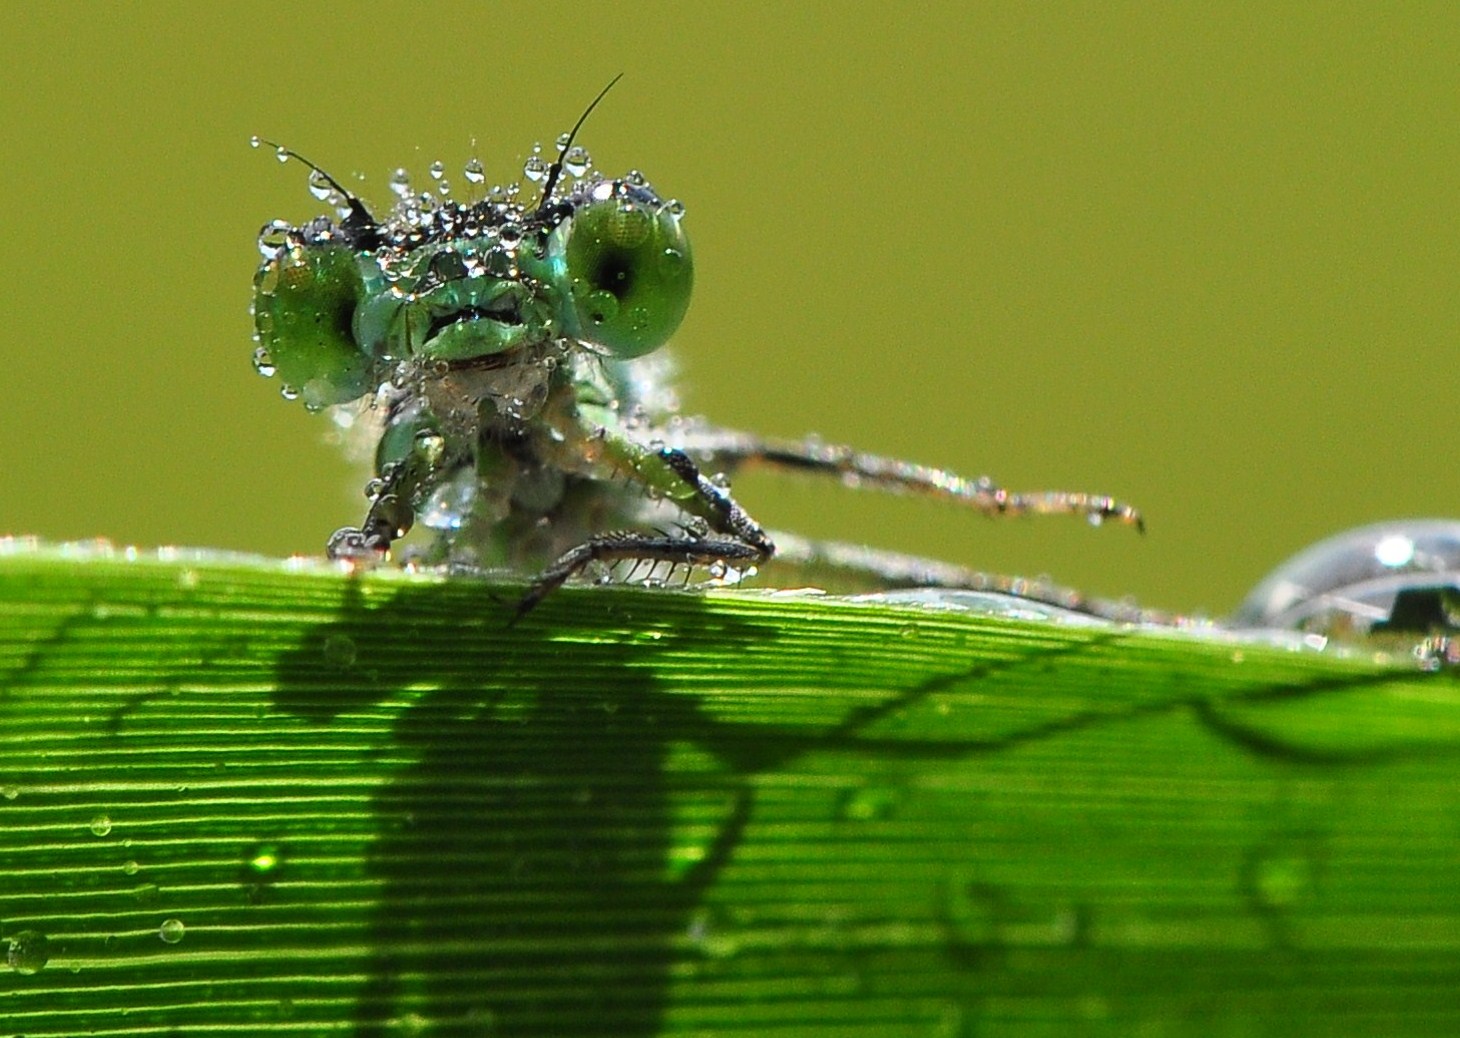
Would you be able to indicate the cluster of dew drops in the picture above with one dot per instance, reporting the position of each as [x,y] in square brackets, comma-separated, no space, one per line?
[497,213]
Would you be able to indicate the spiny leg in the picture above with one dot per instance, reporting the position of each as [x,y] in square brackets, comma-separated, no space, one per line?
[729,450]
[669,472]
[627,545]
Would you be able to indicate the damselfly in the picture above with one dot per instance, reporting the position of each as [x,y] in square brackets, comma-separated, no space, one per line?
[504,352]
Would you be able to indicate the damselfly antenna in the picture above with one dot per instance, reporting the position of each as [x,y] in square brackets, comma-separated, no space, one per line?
[360,224]
[556,169]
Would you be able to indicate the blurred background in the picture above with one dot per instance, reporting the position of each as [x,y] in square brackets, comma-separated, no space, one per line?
[1202,259]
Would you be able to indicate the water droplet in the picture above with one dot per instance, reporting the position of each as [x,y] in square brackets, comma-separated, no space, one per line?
[1282,879]
[400,184]
[130,867]
[718,569]
[254,142]
[474,172]
[562,141]
[171,931]
[289,392]
[9,792]
[534,169]
[450,504]
[408,1024]
[263,362]
[101,825]
[437,170]
[577,160]
[29,951]
[340,651]
[1390,580]
[282,154]
[709,934]
[869,803]
[431,446]
[674,207]
[320,186]
[264,858]
[274,238]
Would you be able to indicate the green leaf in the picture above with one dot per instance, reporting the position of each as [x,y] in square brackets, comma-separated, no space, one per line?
[253,798]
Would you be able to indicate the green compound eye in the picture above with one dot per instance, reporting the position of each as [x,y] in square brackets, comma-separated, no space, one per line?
[629,269]
[304,306]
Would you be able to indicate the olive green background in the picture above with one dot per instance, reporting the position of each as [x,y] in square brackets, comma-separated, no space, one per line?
[1203,259]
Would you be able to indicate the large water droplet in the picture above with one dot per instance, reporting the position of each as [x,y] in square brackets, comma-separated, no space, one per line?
[400,184]
[263,362]
[171,931]
[474,172]
[1392,579]
[101,825]
[534,169]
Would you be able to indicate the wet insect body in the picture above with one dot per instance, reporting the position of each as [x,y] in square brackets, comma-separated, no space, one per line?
[504,353]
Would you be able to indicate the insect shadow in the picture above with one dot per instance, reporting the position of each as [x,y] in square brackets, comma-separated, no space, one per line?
[524,853]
